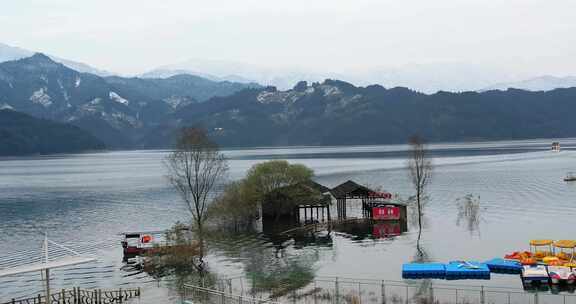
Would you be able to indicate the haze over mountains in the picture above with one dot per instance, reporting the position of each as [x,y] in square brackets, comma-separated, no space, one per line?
[426,78]
[544,83]
[132,112]
[145,113]
[9,53]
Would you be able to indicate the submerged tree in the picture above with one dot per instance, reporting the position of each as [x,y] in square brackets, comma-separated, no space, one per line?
[420,167]
[265,177]
[195,168]
[236,207]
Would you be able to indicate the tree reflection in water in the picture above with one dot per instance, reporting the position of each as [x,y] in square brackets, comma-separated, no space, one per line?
[274,263]
[470,213]
[177,264]
[424,292]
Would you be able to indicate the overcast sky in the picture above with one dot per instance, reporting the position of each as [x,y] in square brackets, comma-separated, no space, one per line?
[132,36]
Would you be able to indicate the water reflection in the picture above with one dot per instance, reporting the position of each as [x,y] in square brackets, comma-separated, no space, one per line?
[86,200]
[274,262]
[470,213]
[361,229]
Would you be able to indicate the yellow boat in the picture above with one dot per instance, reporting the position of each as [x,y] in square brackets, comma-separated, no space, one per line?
[541,248]
[565,249]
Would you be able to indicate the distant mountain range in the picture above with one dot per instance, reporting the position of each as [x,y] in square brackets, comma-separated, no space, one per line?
[427,78]
[338,113]
[9,53]
[145,112]
[238,72]
[544,83]
[21,134]
[117,110]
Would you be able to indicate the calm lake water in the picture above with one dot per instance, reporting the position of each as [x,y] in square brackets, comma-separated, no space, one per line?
[85,200]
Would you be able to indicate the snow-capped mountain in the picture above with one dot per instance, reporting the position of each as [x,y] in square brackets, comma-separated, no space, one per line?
[9,53]
[282,78]
[112,108]
[427,78]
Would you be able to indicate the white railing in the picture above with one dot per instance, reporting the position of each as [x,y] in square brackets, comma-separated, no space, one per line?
[333,290]
[200,295]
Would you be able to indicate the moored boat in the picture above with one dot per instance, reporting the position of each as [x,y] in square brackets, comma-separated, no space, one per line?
[541,248]
[570,177]
[137,243]
[534,274]
[561,274]
[565,250]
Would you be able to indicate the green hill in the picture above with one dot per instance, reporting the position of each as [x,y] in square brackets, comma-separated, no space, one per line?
[21,134]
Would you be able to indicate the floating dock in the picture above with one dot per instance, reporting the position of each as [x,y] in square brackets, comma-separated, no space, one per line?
[461,270]
[504,266]
[424,271]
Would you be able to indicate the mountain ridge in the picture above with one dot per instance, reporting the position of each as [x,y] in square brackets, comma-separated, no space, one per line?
[343,114]
[22,134]
[11,53]
[41,87]
[542,83]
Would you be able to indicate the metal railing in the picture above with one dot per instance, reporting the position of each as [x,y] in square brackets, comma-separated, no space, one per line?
[196,294]
[82,296]
[333,290]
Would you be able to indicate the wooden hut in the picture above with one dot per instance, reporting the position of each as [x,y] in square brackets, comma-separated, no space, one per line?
[289,202]
[372,201]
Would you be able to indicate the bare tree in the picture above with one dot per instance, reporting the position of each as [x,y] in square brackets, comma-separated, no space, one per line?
[195,168]
[420,167]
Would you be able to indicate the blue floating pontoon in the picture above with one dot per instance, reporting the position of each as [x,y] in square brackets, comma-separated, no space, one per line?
[423,270]
[504,266]
[458,270]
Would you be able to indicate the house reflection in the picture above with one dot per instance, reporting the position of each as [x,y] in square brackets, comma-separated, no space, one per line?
[287,233]
[361,229]
[322,234]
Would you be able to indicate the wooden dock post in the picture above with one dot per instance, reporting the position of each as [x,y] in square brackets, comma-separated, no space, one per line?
[120,295]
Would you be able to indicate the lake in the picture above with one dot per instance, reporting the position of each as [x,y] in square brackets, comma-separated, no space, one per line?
[85,200]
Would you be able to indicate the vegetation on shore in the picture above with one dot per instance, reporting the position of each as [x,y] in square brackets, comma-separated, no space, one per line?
[238,205]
